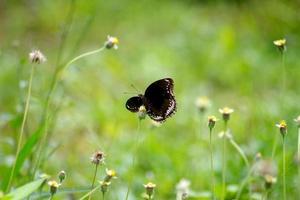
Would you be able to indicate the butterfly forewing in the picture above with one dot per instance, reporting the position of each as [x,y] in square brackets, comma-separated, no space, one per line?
[159,99]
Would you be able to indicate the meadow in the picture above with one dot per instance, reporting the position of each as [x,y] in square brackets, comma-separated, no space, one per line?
[65,132]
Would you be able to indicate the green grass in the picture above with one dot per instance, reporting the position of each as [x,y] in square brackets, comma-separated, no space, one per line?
[220,49]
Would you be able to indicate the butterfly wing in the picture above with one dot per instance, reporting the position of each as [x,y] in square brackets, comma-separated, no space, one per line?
[159,99]
[134,103]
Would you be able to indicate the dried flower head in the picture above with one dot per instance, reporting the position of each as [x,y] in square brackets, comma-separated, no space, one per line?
[265,167]
[297,120]
[203,103]
[36,56]
[269,181]
[280,44]
[212,121]
[110,174]
[142,113]
[53,185]
[98,158]
[61,176]
[111,42]
[226,111]
[282,127]
[149,189]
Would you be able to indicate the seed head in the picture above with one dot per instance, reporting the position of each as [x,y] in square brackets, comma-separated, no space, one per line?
[212,121]
[36,56]
[111,42]
[202,103]
[280,44]
[149,189]
[226,111]
[282,127]
[297,120]
[61,176]
[98,158]
[53,185]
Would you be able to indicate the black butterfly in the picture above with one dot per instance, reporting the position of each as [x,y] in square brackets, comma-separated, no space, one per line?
[158,100]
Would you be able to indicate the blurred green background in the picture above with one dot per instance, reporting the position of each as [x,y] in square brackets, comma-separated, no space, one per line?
[220,49]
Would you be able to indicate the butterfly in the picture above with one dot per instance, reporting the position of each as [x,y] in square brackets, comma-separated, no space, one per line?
[159,100]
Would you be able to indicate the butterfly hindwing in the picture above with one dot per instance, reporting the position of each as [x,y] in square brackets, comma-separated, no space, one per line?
[134,103]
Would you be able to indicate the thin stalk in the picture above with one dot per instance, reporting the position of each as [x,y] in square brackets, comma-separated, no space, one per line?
[266,195]
[240,151]
[57,77]
[94,178]
[51,197]
[243,155]
[298,152]
[134,157]
[244,182]
[12,173]
[283,170]
[211,165]
[90,192]
[224,162]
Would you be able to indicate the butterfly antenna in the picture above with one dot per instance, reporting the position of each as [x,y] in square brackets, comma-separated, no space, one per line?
[135,88]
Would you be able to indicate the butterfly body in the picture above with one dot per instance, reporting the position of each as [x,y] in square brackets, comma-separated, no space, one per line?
[159,100]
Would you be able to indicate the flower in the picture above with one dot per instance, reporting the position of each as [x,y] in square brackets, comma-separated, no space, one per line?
[111,42]
[104,186]
[149,189]
[202,103]
[109,175]
[226,111]
[182,189]
[61,176]
[297,120]
[280,44]
[269,181]
[212,121]
[142,112]
[282,127]
[36,56]
[98,158]
[53,186]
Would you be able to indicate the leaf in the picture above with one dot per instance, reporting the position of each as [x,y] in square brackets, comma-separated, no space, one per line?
[25,190]
[24,153]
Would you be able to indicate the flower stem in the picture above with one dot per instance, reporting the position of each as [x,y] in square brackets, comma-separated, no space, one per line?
[244,182]
[211,165]
[94,178]
[90,192]
[240,151]
[137,143]
[56,79]
[224,162]
[283,170]
[12,173]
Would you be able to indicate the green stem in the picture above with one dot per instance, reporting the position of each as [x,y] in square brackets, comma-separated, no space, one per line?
[90,192]
[298,152]
[240,151]
[224,162]
[51,197]
[211,165]
[134,157]
[58,76]
[283,170]
[94,178]
[12,173]
[244,182]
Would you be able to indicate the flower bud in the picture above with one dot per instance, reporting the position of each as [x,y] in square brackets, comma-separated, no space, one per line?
[61,176]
